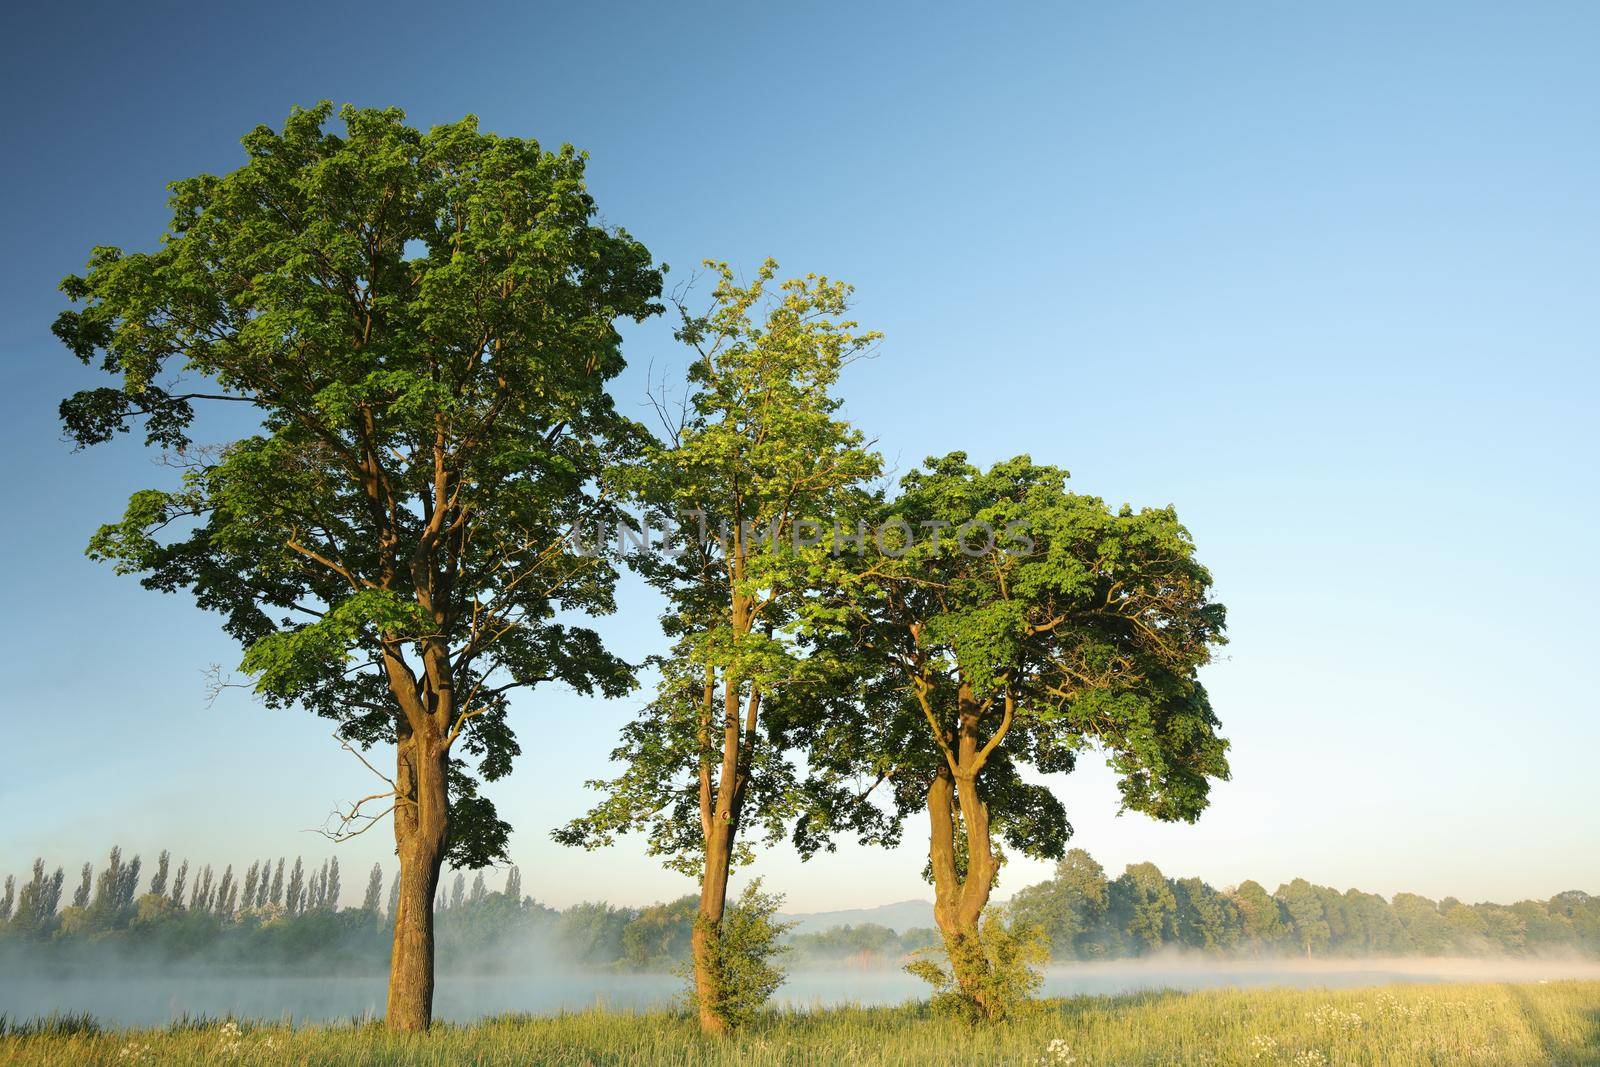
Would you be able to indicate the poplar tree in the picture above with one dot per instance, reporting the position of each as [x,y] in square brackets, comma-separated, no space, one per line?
[420,326]
[80,896]
[369,903]
[158,884]
[177,884]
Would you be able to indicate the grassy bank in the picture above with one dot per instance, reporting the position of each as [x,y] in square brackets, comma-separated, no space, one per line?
[1548,1023]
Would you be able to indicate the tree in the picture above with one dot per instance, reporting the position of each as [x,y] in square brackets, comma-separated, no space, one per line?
[158,883]
[80,896]
[1002,622]
[423,323]
[747,482]
[1070,908]
[392,908]
[1307,918]
[1260,916]
[513,889]
[37,901]
[293,900]
[1206,919]
[374,896]
[180,878]
[1143,903]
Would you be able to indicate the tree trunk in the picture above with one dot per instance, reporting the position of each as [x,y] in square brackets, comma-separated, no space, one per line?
[708,920]
[960,897]
[421,819]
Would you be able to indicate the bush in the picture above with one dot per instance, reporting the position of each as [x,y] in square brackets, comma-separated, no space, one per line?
[744,957]
[996,980]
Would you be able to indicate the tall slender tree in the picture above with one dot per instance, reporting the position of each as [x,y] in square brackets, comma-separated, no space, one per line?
[158,883]
[422,325]
[748,482]
[374,895]
[177,884]
[80,896]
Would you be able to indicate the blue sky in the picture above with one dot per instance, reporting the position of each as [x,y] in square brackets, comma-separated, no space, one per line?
[1322,278]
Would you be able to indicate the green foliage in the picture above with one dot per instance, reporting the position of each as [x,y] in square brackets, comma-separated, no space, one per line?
[745,951]
[1084,627]
[1400,1026]
[757,463]
[1006,971]
[417,328]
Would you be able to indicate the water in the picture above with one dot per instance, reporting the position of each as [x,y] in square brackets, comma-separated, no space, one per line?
[149,999]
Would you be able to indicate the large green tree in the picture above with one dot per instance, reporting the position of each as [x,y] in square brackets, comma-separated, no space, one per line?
[747,488]
[999,622]
[417,329]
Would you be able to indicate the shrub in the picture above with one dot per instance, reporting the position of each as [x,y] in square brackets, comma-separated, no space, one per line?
[1000,977]
[744,957]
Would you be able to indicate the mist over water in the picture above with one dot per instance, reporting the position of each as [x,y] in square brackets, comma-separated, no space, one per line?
[130,996]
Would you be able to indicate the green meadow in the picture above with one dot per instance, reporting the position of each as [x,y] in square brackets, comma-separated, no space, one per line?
[1498,1024]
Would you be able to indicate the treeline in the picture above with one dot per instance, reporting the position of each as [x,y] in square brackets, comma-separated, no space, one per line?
[286,915]
[1087,916]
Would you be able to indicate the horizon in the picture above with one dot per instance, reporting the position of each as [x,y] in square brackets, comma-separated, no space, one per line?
[1318,279]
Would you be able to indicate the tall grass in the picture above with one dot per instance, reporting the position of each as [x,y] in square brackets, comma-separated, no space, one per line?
[1554,1023]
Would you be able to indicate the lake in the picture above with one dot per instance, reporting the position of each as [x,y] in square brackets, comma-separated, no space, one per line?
[154,998]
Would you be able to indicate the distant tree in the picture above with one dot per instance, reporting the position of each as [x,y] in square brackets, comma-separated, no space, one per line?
[479,889]
[264,885]
[115,890]
[37,901]
[1308,920]
[227,894]
[513,888]
[458,890]
[158,884]
[331,889]
[80,896]
[252,878]
[591,932]
[201,898]
[659,934]
[1469,934]
[374,895]
[390,911]
[294,893]
[277,884]
[1143,903]
[424,325]
[177,884]
[1206,919]
[1261,917]
[8,899]
[1373,927]
[1069,908]
[1424,927]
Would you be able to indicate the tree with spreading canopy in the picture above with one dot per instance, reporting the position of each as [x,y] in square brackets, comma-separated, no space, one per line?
[413,331]
[755,470]
[998,622]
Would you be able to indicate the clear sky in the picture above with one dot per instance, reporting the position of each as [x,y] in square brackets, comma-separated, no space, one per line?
[1324,277]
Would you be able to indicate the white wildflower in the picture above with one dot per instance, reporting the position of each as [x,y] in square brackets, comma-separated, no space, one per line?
[1057,1054]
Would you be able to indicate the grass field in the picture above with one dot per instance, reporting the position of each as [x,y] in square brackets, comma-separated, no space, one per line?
[1546,1023]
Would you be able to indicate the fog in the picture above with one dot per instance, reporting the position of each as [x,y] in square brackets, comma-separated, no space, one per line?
[129,995]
